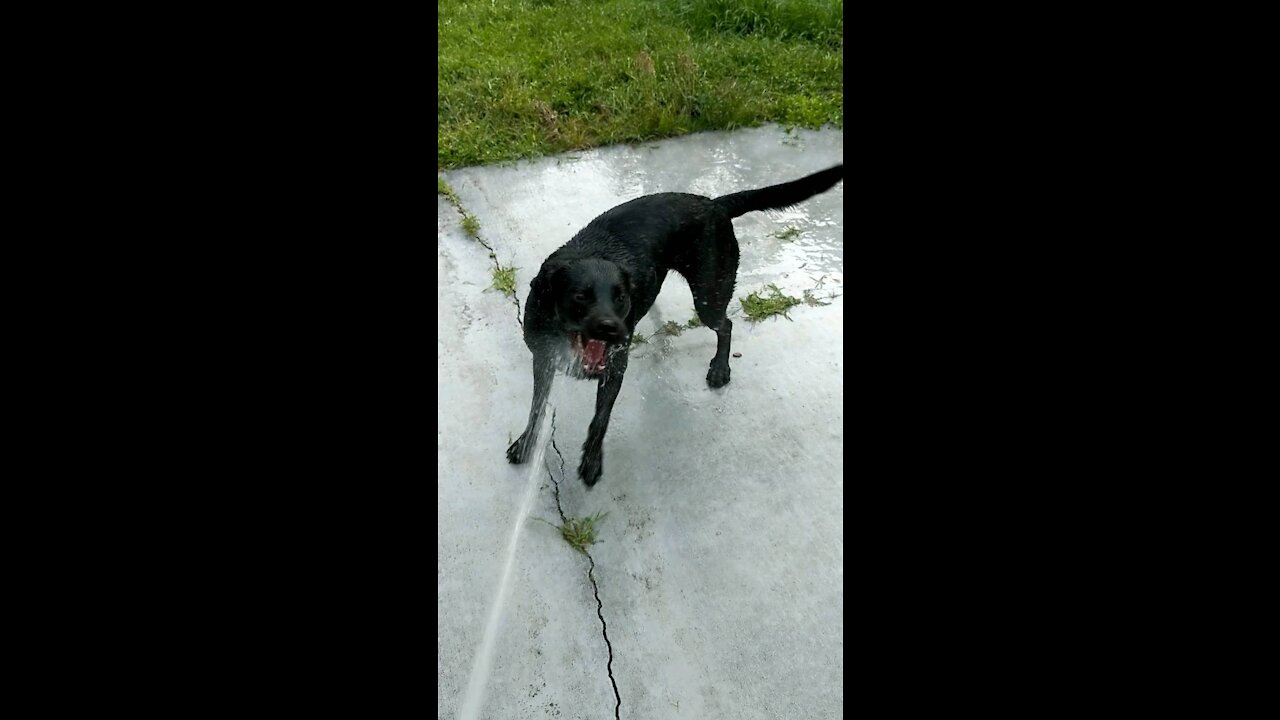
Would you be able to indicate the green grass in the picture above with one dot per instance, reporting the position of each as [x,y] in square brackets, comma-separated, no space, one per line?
[522,78]
[580,533]
[787,234]
[504,280]
[820,22]
[760,307]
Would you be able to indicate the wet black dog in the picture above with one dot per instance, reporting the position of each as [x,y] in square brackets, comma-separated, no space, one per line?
[588,296]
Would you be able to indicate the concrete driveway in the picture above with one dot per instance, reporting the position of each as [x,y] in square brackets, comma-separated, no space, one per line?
[717,575]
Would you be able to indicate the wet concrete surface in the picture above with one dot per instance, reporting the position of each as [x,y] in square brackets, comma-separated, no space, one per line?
[719,566]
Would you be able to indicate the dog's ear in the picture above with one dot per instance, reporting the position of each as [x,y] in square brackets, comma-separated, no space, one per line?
[549,277]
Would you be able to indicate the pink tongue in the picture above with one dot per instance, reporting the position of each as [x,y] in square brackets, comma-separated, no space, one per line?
[593,353]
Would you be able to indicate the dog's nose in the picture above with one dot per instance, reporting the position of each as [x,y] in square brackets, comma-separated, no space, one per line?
[612,328]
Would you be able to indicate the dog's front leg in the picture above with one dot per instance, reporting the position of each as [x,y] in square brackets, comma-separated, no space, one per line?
[544,372]
[593,449]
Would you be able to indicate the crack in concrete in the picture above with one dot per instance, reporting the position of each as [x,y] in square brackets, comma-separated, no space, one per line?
[515,297]
[493,255]
[604,629]
[591,572]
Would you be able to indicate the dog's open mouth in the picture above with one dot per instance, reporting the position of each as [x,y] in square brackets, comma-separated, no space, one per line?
[591,352]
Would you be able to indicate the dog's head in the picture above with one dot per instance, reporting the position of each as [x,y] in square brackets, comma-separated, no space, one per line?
[591,298]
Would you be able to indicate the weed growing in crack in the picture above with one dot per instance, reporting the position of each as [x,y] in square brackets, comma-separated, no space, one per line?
[812,301]
[504,280]
[470,225]
[670,328]
[580,533]
[758,307]
[443,188]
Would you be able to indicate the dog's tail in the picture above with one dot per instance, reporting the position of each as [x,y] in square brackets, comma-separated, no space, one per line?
[776,197]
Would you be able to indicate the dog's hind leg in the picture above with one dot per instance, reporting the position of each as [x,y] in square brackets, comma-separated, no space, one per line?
[592,465]
[543,373]
[712,281]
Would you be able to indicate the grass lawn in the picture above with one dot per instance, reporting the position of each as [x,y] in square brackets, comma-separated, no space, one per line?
[520,78]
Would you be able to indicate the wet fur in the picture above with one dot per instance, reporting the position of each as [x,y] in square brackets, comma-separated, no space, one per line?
[604,280]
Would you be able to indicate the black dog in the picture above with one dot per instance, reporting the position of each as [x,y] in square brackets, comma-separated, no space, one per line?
[588,296]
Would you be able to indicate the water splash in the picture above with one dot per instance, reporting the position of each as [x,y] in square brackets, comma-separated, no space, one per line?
[481,668]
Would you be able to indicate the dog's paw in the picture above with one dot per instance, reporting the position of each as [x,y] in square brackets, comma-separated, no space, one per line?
[518,452]
[591,468]
[718,375]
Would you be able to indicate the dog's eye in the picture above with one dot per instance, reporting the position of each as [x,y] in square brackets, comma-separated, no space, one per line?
[580,297]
